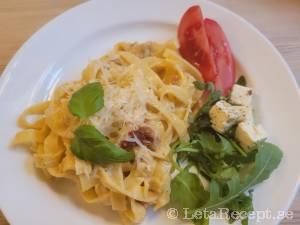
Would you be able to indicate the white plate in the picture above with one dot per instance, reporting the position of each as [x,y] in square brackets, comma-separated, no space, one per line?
[61,49]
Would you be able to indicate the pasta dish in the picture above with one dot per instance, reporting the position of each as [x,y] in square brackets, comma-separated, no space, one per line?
[148,95]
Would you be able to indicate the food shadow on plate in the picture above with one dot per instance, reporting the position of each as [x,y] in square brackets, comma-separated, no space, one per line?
[69,191]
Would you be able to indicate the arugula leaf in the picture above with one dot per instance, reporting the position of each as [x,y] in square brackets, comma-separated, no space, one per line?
[245,221]
[202,119]
[87,100]
[173,155]
[207,149]
[227,148]
[226,174]
[187,190]
[206,164]
[200,85]
[210,150]
[208,142]
[238,159]
[237,147]
[201,122]
[184,147]
[242,81]
[178,153]
[209,86]
[213,142]
[212,99]
[202,221]
[89,144]
[242,203]
[267,159]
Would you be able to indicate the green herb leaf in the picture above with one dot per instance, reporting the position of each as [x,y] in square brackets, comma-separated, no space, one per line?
[242,203]
[245,221]
[210,87]
[239,159]
[202,221]
[202,119]
[87,100]
[213,142]
[200,85]
[237,147]
[226,146]
[89,144]
[226,174]
[209,142]
[267,159]
[184,147]
[242,81]
[187,190]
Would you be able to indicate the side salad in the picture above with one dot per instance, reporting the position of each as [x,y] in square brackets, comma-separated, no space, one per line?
[227,154]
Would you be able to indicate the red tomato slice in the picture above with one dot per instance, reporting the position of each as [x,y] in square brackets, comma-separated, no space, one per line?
[223,58]
[204,44]
[193,42]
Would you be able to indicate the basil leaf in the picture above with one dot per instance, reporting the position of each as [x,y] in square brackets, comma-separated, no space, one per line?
[89,144]
[242,81]
[187,190]
[87,100]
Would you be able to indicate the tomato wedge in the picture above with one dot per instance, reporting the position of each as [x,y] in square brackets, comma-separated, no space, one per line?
[193,42]
[204,44]
[223,58]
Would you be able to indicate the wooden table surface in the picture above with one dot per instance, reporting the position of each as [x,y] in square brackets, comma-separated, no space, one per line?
[279,20]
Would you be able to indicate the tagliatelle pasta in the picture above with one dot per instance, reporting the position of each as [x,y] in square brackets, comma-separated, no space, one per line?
[147,87]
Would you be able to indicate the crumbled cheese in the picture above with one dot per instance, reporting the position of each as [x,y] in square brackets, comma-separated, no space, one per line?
[249,134]
[223,116]
[123,104]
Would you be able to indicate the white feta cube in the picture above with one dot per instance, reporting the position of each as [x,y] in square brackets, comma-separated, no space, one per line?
[241,95]
[246,113]
[249,134]
[223,116]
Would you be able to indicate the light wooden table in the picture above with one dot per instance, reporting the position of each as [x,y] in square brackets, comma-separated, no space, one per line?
[279,20]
